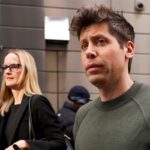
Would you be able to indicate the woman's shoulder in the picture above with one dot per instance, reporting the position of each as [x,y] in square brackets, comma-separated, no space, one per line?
[40,101]
[38,98]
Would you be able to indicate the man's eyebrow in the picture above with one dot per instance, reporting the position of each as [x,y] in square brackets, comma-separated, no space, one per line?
[83,41]
[99,36]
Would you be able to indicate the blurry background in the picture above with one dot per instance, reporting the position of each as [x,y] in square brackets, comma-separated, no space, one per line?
[59,66]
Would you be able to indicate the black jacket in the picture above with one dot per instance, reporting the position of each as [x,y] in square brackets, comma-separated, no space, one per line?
[66,116]
[46,125]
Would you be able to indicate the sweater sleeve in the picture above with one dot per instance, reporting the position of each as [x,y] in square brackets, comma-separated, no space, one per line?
[80,115]
[143,102]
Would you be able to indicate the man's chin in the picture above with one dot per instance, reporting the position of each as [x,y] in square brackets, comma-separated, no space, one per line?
[97,82]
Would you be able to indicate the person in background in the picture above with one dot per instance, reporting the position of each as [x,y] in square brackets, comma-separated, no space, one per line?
[20,82]
[119,119]
[77,96]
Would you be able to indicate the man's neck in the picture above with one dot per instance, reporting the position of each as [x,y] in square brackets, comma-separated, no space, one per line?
[111,92]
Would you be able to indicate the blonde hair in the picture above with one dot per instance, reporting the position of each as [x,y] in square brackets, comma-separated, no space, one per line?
[30,82]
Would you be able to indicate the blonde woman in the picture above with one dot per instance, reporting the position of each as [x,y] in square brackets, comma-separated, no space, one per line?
[19,83]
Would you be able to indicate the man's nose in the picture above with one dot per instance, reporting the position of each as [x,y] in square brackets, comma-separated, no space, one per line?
[91,51]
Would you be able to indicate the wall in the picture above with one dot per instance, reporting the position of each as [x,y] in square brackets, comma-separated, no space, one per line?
[59,67]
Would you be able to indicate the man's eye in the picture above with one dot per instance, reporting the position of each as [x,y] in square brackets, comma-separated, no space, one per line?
[84,46]
[101,42]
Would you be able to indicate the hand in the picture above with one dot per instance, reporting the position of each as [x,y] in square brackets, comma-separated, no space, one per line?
[22,144]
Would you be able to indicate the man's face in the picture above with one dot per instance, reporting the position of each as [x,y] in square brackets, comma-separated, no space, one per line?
[103,59]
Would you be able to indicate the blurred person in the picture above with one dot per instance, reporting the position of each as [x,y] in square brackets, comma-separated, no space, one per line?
[77,96]
[19,83]
[119,119]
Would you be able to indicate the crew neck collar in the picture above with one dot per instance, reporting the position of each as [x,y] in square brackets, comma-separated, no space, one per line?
[119,101]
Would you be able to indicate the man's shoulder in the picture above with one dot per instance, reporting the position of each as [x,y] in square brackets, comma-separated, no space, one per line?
[85,108]
[142,100]
[83,111]
[143,94]
[81,114]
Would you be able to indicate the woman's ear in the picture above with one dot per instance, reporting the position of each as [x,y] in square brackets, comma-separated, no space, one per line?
[129,49]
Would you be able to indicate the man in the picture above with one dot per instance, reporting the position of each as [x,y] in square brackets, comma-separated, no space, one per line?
[120,118]
[77,96]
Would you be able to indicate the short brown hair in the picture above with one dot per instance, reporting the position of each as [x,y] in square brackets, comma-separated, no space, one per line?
[118,26]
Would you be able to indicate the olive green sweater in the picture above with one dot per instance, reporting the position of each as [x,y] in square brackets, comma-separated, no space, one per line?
[120,124]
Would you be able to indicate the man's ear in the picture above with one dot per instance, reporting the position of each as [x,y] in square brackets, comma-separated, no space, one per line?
[129,49]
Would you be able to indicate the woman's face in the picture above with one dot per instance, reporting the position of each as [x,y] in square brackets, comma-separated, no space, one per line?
[12,70]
